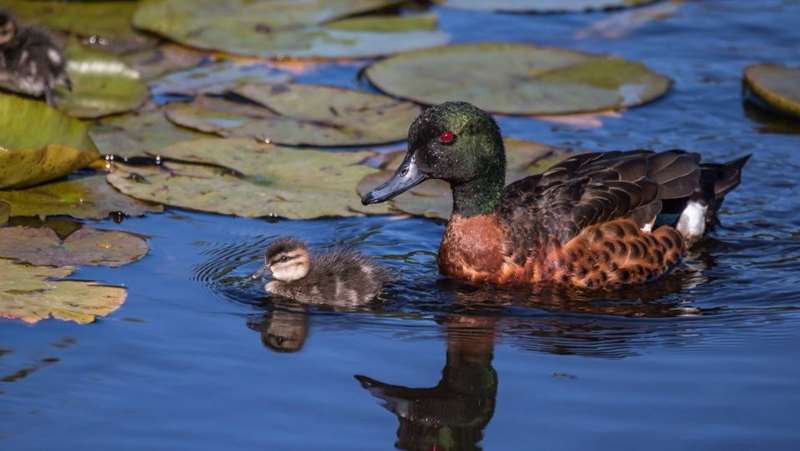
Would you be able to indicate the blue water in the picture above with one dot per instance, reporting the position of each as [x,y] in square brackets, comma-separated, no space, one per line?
[706,359]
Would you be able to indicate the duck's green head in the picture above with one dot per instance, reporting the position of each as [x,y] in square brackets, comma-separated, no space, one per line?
[456,142]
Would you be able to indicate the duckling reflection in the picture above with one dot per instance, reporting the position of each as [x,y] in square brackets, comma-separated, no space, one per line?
[30,61]
[340,278]
[284,329]
[452,414]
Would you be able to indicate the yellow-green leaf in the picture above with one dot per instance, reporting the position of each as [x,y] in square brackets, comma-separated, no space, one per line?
[774,86]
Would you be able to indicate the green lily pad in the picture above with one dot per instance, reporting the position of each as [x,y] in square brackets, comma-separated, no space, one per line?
[518,79]
[85,198]
[774,86]
[5,213]
[33,293]
[85,246]
[134,135]
[283,28]
[105,23]
[273,181]
[542,6]
[157,61]
[216,79]
[433,198]
[57,146]
[102,84]
[298,114]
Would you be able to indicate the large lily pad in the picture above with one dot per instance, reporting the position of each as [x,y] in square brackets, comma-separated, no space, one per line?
[434,199]
[5,213]
[106,23]
[85,198]
[298,114]
[518,79]
[57,146]
[542,6]
[134,135]
[280,28]
[33,293]
[85,246]
[216,79]
[774,86]
[272,181]
[102,84]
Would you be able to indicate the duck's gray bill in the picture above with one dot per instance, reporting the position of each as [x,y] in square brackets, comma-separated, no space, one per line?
[406,177]
[262,273]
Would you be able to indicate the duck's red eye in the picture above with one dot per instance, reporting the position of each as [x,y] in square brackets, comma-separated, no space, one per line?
[446,137]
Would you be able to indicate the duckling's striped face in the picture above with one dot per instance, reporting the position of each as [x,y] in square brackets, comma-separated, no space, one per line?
[288,261]
[8,28]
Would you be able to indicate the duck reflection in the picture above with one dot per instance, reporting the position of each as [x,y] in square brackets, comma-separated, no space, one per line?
[453,413]
[284,329]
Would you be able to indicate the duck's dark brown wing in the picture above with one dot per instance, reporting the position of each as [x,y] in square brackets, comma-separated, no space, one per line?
[593,188]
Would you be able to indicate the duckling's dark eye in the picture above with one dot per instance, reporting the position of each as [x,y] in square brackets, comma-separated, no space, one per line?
[446,137]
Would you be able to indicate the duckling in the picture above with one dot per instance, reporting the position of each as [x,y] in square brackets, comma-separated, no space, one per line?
[30,62]
[587,222]
[341,277]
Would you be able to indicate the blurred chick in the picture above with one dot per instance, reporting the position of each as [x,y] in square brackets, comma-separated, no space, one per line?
[30,61]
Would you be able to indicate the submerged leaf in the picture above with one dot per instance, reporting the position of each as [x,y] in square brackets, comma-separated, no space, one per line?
[85,246]
[284,28]
[773,86]
[216,78]
[85,198]
[542,6]
[134,135]
[273,181]
[299,114]
[102,84]
[518,79]
[30,293]
[157,61]
[58,146]
[434,199]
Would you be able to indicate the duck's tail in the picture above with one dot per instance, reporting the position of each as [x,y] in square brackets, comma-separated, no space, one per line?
[717,180]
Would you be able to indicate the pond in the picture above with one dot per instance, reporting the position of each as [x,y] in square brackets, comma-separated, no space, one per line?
[198,358]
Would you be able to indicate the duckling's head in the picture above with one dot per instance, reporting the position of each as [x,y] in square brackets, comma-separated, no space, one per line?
[8,27]
[287,259]
[456,142]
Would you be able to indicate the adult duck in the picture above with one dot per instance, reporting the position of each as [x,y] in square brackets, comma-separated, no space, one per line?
[586,222]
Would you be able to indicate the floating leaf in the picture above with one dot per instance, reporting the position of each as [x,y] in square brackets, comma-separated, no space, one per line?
[5,213]
[281,28]
[155,62]
[135,135]
[274,181]
[542,6]
[85,198]
[433,198]
[85,246]
[55,147]
[30,294]
[102,84]
[216,79]
[107,23]
[518,79]
[774,86]
[298,114]
[623,23]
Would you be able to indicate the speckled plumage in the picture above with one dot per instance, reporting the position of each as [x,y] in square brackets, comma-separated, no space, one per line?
[341,277]
[585,222]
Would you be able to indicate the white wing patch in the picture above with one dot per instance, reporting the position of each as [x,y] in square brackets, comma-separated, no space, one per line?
[692,223]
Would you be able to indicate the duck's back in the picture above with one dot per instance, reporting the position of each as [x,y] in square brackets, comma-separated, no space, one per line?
[343,278]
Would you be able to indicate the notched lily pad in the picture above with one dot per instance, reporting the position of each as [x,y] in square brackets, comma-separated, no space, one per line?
[299,114]
[285,28]
[57,146]
[542,6]
[216,78]
[102,84]
[85,246]
[260,179]
[33,293]
[518,79]
[433,198]
[134,135]
[774,87]
[85,198]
